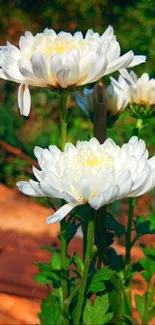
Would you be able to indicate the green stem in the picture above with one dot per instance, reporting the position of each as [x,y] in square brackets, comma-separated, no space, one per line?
[100,132]
[63,241]
[148,307]
[90,239]
[129,229]
[135,239]
[101,237]
[85,230]
[127,287]
[73,294]
[129,242]
[139,126]
[63,116]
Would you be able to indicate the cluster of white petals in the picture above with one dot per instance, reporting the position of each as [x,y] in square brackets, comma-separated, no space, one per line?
[117,96]
[62,60]
[91,173]
[143,93]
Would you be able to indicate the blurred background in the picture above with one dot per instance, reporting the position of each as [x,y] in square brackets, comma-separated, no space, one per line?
[134,26]
[22,220]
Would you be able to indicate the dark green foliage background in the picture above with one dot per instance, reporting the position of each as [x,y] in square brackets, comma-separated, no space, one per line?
[134,26]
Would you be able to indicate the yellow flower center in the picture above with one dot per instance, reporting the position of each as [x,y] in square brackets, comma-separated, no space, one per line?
[61,47]
[88,158]
[49,47]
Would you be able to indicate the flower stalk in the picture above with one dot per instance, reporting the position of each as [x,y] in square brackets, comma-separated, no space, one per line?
[63,241]
[63,117]
[100,132]
[87,260]
[129,230]
[127,287]
[129,242]
[149,299]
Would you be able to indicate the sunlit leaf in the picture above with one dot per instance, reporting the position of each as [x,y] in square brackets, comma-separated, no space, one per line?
[97,282]
[98,313]
[51,313]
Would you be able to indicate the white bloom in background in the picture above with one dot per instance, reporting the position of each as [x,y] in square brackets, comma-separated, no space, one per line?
[117,96]
[91,173]
[144,93]
[62,60]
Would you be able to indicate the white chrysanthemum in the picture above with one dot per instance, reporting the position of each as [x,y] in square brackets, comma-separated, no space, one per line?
[144,93]
[91,173]
[62,60]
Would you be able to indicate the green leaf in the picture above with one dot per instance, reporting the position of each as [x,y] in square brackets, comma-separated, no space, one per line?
[42,278]
[97,313]
[56,263]
[147,276]
[128,320]
[82,210]
[145,225]
[79,263]
[140,304]
[46,277]
[43,266]
[148,263]
[109,237]
[136,268]
[71,231]
[151,315]
[97,282]
[115,260]
[51,311]
[149,251]
[50,248]
[112,224]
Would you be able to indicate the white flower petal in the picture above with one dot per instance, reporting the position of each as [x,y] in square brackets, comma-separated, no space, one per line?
[120,63]
[99,69]
[85,189]
[40,66]
[138,59]
[61,213]
[114,51]
[24,100]
[127,77]
[96,202]
[30,188]
[108,32]
[62,76]
[37,173]
[55,65]
[151,162]
[73,65]
[49,190]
